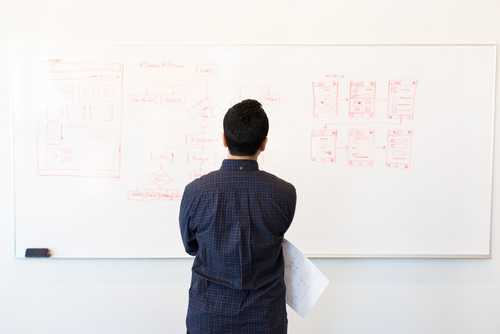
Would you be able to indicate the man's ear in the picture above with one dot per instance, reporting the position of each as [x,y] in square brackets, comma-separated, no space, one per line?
[263,144]
[224,140]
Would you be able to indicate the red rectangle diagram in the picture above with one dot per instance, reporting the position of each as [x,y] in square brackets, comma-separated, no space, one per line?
[398,148]
[325,99]
[201,139]
[361,147]
[401,98]
[323,145]
[362,99]
[80,131]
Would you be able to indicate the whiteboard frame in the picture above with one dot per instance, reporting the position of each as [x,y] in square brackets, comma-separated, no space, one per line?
[488,256]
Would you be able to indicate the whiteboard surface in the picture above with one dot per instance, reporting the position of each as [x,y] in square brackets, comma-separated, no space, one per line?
[389,147]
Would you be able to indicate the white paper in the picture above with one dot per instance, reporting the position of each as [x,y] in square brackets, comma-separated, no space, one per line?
[304,281]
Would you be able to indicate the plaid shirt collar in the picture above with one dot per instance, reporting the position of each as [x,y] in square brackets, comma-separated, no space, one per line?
[237,165]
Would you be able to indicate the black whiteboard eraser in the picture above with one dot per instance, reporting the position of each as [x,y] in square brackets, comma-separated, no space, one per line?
[37,252]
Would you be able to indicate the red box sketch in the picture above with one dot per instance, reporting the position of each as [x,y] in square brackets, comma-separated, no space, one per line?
[401,98]
[206,69]
[325,99]
[201,161]
[399,148]
[323,145]
[200,156]
[362,99]
[80,131]
[161,65]
[202,139]
[361,147]
[144,195]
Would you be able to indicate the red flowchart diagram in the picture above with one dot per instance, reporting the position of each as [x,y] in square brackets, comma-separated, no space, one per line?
[356,123]
[362,132]
[184,94]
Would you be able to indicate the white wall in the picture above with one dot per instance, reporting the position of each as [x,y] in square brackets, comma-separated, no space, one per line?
[144,296]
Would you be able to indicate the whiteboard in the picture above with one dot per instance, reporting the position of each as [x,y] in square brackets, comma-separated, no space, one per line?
[390,147]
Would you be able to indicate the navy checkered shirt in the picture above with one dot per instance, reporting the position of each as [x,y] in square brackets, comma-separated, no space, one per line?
[233,221]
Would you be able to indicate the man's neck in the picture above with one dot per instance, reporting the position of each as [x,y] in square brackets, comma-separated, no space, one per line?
[242,157]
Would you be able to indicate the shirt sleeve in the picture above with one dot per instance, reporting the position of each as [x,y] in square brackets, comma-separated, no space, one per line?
[291,204]
[185,221]
[287,202]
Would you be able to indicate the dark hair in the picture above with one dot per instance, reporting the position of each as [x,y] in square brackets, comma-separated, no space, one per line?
[245,127]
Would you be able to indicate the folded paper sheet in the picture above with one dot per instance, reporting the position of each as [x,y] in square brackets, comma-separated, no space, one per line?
[304,281]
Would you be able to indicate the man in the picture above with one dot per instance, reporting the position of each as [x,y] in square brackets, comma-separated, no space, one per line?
[233,221]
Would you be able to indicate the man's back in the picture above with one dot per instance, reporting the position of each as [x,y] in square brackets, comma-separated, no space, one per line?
[233,221]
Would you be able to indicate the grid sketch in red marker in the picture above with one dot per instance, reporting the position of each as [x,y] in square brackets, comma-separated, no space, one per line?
[399,148]
[80,133]
[401,98]
[323,145]
[361,147]
[362,99]
[325,99]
